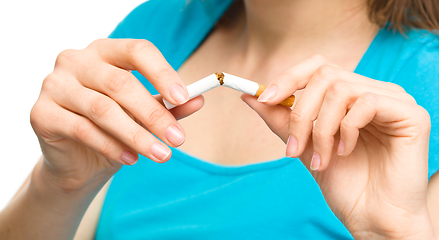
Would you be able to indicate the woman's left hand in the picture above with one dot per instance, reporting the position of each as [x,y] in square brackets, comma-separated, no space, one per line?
[366,142]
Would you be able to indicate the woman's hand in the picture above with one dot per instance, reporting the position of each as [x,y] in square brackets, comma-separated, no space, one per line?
[93,115]
[366,140]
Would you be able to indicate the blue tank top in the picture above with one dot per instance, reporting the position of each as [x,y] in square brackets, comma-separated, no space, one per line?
[188,198]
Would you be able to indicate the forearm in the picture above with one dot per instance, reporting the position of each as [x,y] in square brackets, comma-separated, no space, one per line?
[41,211]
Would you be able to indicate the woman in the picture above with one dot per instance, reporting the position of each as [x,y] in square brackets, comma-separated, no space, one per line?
[364,141]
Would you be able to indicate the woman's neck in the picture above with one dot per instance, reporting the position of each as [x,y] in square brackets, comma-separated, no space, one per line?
[274,31]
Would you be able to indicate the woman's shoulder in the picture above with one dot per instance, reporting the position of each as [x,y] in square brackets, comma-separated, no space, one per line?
[171,17]
[175,27]
[418,64]
[148,17]
[421,36]
[401,57]
[422,46]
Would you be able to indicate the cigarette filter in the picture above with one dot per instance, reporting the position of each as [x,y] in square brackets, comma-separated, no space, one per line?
[250,87]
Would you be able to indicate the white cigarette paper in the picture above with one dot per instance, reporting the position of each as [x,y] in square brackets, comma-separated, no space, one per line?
[240,84]
[197,88]
[210,82]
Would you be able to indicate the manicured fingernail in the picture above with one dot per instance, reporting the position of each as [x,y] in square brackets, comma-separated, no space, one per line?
[178,94]
[291,146]
[129,158]
[174,135]
[160,152]
[268,94]
[340,149]
[315,161]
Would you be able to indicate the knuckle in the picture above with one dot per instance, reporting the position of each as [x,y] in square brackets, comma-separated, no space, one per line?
[155,115]
[288,76]
[99,107]
[368,98]
[36,116]
[40,122]
[345,124]
[107,148]
[318,58]
[395,87]
[66,56]
[297,116]
[340,88]
[319,80]
[410,99]
[49,79]
[116,82]
[45,121]
[50,82]
[164,73]
[318,135]
[137,45]
[326,72]
[98,42]
[424,115]
[135,137]
[81,131]
[422,120]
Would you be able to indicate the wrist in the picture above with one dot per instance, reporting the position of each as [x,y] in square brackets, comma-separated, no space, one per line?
[413,227]
[46,180]
[428,235]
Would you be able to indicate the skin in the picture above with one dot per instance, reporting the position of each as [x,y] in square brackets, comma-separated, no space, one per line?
[388,198]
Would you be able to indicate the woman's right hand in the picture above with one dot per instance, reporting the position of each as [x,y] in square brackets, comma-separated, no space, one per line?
[93,115]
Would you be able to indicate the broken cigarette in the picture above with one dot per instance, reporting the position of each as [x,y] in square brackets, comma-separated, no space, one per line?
[228,80]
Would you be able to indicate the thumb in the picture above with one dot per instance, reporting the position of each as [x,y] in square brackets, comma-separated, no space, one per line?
[276,117]
[186,109]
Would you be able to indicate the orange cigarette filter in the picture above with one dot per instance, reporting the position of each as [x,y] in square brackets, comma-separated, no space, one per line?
[287,102]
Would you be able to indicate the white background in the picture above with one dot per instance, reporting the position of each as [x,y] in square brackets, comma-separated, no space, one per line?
[32,33]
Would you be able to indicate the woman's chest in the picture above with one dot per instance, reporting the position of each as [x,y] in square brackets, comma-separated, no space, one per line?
[225,130]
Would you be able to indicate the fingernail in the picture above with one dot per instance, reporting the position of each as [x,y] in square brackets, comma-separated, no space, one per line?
[315,161]
[291,146]
[129,158]
[174,135]
[268,94]
[160,152]
[178,94]
[340,149]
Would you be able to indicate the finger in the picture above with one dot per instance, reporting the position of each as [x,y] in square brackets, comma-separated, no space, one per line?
[293,79]
[57,121]
[384,111]
[186,109]
[337,100]
[276,117]
[318,67]
[128,92]
[305,112]
[109,116]
[143,56]
[337,84]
